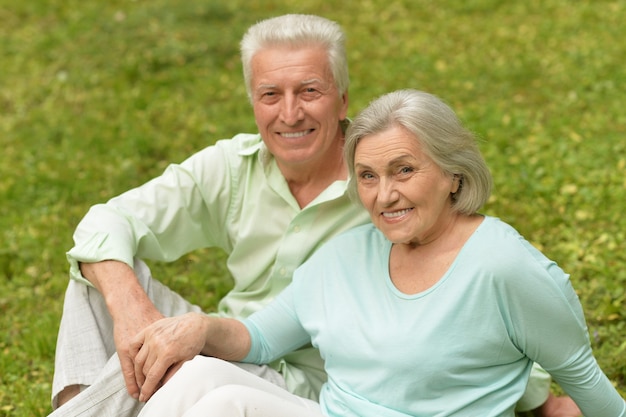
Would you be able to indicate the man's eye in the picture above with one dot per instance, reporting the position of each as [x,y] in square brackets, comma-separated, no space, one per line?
[268,97]
[310,93]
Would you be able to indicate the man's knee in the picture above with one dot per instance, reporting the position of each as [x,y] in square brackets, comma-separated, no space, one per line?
[66,394]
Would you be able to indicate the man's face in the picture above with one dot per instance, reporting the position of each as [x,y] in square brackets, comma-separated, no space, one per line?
[297,106]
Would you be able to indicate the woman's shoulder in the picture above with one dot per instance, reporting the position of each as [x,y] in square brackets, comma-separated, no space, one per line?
[499,247]
[494,232]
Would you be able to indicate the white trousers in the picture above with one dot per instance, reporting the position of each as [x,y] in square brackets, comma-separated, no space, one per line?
[85,352]
[209,387]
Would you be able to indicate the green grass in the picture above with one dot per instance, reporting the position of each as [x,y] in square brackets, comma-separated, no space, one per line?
[97,97]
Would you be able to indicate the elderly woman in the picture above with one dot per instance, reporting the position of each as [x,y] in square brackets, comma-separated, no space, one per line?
[432,310]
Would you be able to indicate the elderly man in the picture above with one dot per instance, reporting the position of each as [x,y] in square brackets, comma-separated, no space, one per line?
[268,199]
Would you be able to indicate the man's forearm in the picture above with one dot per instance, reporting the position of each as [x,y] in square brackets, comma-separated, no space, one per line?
[119,287]
[130,308]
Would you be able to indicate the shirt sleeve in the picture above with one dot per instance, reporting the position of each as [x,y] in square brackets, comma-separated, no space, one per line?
[548,325]
[163,219]
[275,330]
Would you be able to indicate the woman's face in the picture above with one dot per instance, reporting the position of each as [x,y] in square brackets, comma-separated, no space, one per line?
[406,194]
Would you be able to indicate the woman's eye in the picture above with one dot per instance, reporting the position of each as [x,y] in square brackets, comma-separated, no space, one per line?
[406,170]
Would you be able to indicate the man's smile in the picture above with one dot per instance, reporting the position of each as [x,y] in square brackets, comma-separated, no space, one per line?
[291,135]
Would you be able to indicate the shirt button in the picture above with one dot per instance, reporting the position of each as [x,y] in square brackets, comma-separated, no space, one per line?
[296,229]
[283,271]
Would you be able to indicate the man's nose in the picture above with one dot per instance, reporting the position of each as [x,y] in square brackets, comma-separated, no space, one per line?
[291,111]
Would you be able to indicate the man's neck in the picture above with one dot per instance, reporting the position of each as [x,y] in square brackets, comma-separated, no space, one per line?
[307,183]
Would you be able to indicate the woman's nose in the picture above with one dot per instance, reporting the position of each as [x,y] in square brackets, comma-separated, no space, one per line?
[387,192]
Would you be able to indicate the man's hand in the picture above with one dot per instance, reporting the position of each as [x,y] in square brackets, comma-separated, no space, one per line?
[161,348]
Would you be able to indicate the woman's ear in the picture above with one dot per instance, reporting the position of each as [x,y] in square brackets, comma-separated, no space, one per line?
[457,181]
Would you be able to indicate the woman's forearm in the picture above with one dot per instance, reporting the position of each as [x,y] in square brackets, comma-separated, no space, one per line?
[226,339]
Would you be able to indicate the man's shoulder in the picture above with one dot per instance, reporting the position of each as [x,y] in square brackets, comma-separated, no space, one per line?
[224,152]
[242,144]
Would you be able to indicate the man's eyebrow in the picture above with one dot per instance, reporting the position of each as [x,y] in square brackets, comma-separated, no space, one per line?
[266,86]
[311,81]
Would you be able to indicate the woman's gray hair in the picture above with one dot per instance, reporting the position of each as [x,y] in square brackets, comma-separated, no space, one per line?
[297,31]
[441,134]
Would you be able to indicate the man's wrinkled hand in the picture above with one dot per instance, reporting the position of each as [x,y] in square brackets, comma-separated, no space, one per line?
[160,349]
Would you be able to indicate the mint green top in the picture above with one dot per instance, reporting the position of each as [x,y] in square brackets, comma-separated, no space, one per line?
[464,347]
[232,196]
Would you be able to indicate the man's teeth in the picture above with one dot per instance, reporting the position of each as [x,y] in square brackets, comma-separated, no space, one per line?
[395,213]
[295,134]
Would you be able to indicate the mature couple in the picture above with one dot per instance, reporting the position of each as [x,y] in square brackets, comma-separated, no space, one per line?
[422,306]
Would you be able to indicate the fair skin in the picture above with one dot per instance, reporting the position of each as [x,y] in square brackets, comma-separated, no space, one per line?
[409,199]
[297,109]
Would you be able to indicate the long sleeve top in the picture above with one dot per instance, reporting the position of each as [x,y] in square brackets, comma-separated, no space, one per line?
[463,347]
[232,196]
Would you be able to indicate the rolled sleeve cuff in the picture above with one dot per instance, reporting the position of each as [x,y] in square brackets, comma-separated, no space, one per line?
[99,248]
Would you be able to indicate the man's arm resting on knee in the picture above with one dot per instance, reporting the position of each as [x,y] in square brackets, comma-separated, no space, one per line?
[129,306]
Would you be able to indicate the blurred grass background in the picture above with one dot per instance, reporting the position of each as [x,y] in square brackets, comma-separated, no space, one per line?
[98,97]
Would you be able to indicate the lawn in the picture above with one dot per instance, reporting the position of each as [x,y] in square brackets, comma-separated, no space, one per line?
[98,97]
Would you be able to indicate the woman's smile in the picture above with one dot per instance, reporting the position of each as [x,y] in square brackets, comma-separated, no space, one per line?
[396,213]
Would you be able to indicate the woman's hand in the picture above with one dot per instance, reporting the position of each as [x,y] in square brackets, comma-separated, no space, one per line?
[160,349]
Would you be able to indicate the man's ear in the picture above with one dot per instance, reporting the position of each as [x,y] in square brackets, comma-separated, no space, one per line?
[343,114]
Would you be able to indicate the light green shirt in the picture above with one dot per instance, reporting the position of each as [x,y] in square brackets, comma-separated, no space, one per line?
[232,196]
